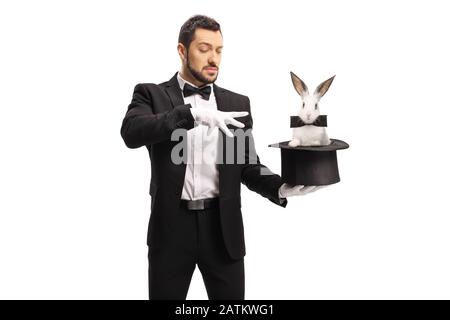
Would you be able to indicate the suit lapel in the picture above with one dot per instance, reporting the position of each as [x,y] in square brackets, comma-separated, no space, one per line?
[221,97]
[222,105]
[174,92]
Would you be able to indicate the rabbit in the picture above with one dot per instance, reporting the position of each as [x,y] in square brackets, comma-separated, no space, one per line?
[309,135]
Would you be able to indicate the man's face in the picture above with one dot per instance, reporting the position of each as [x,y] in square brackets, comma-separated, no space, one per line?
[202,59]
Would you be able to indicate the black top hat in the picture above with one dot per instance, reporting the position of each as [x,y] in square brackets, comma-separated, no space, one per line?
[310,165]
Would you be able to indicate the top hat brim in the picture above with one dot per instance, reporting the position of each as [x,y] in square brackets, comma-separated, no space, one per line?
[310,165]
[334,145]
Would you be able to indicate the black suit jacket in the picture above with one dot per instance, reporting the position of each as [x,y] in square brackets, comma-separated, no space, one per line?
[153,114]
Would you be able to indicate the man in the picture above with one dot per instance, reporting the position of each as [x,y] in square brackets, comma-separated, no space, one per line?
[195,205]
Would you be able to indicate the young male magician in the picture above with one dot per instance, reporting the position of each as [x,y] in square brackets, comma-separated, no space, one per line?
[195,205]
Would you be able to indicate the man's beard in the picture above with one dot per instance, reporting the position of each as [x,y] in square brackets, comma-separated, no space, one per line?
[197,75]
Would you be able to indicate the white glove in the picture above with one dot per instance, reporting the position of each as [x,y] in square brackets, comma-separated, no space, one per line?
[216,118]
[287,190]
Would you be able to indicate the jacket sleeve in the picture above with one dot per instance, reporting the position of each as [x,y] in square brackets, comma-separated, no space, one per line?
[256,176]
[142,126]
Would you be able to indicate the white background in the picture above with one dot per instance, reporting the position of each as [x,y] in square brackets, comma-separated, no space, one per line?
[74,200]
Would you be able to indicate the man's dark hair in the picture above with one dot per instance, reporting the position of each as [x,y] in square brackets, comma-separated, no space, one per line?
[187,30]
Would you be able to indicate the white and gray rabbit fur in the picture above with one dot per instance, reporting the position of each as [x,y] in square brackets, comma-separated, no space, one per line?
[309,135]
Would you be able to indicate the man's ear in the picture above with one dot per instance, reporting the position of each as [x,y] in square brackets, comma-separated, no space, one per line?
[181,51]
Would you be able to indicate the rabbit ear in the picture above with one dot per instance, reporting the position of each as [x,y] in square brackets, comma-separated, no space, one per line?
[299,85]
[323,87]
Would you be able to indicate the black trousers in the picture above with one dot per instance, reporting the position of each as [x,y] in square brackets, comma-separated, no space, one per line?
[197,240]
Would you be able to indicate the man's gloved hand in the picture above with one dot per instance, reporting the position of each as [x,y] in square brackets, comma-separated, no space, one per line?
[287,190]
[217,118]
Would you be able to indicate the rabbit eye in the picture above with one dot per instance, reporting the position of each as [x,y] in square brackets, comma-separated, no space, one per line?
[316,106]
[303,104]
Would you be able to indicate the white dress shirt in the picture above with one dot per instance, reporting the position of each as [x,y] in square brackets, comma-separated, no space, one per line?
[202,176]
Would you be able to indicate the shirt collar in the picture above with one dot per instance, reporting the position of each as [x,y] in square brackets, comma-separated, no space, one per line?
[181,82]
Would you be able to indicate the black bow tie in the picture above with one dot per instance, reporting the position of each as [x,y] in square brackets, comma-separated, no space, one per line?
[321,121]
[190,90]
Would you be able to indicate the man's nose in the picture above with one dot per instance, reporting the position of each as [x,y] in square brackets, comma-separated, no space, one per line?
[214,59]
